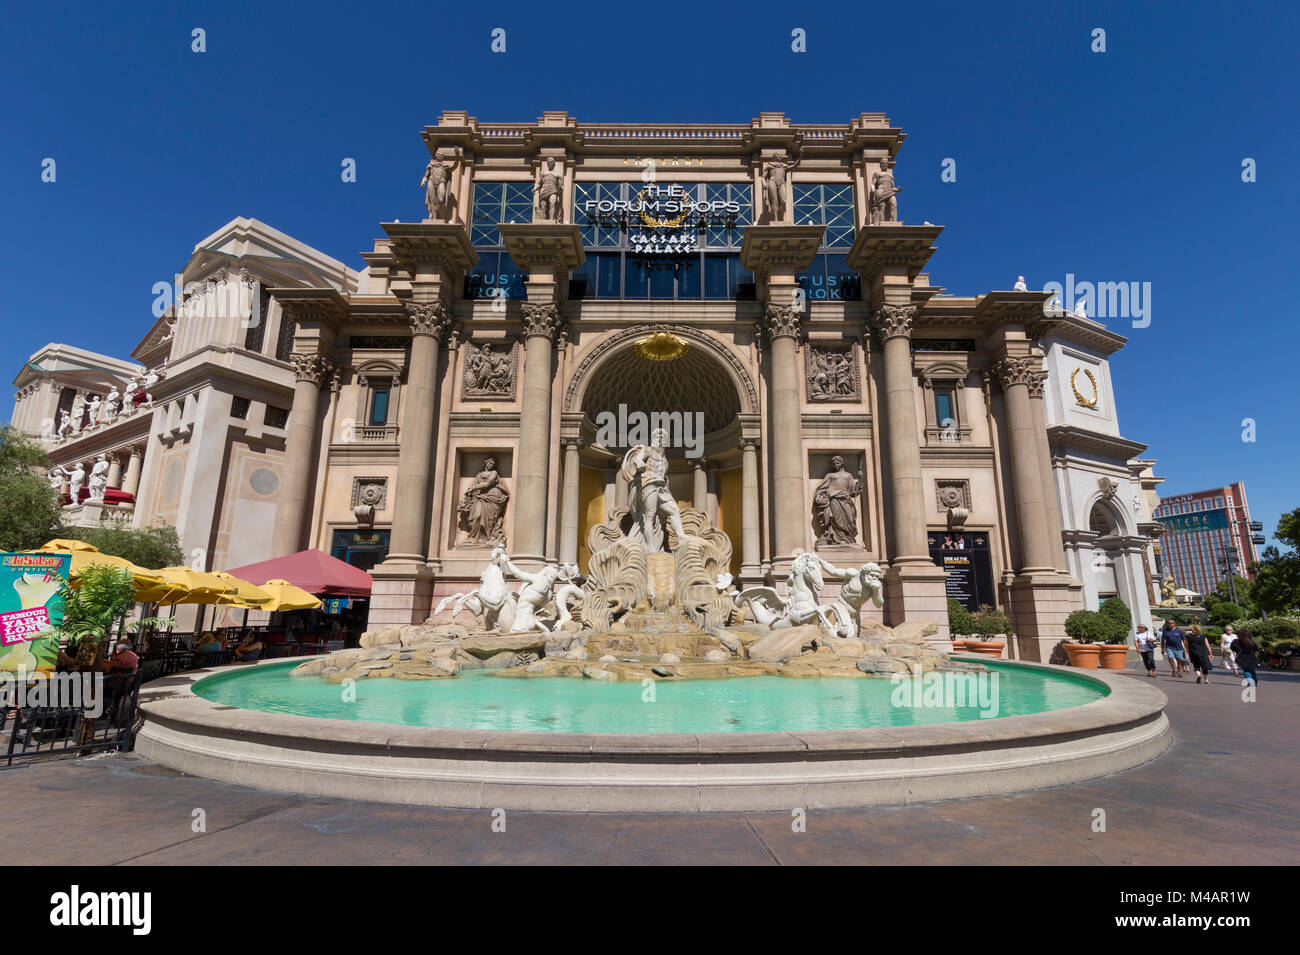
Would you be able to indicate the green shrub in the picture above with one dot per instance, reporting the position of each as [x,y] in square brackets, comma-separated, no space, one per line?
[1093,626]
[1115,609]
[989,621]
[1225,611]
[959,619]
[1268,633]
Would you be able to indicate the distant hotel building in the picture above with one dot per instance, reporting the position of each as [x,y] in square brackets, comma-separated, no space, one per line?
[1204,532]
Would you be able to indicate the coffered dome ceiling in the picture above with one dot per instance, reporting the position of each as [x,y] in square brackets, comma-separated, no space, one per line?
[693,382]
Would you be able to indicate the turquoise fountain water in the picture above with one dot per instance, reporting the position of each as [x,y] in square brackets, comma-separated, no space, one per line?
[478,700]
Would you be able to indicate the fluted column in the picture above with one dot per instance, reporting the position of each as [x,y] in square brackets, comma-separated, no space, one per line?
[430,322]
[541,323]
[291,505]
[700,473]
[1027,490]
[749,511]
[1050,500]
[569,503]
[781,327]
[906,488]
[131,483]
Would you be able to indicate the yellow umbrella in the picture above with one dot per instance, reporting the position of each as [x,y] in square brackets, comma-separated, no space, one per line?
[184,585]
[86,555]
[285,596]
[244,594]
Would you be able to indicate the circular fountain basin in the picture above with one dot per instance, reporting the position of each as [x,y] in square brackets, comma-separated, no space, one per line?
[751,743]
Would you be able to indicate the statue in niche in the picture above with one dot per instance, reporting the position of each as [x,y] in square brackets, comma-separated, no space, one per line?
[489,373]
[835,506]
[884,204]
[650,500]
[548,192]
[437,189]
[830,375]
[775,176]
[65,424]
[484,505]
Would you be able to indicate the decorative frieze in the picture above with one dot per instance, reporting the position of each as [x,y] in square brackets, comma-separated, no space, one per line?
[831,373]
[490,371]
[369,494]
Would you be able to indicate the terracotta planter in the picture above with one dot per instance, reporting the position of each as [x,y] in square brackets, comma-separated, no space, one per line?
[960,644]
[988,648]
[1083,655]
[1113,656]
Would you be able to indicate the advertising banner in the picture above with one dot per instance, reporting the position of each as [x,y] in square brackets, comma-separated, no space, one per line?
[31,607]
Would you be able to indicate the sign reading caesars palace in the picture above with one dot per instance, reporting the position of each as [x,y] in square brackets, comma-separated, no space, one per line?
[752,282]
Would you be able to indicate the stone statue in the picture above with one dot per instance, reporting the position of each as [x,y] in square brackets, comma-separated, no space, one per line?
[488,373]
[492,600]
[801,605]
[568,589]
[56,477]
[775,176]
[78,411]
[860,585]
[650,500]
[131,395]
[548,192]
[151,379]
[65,424]
[830,375]
[835,505]
[884,205]
[98,479]
[484,505]
[92,411]
[76,478]
[532,597]
[1020,285]
[437,189]
[112,406]
[1168,590]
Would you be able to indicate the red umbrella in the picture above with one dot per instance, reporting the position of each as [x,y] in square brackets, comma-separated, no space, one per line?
[312,570]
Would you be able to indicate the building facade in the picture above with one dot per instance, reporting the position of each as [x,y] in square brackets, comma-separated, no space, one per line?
[1206,535]
[750,287]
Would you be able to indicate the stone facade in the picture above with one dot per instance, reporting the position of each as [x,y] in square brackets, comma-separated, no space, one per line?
[521,330]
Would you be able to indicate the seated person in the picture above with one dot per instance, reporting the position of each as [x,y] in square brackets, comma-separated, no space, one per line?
[209,649]
[250,650]
[123,660]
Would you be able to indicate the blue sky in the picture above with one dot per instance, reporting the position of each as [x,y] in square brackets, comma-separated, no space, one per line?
[1116,166]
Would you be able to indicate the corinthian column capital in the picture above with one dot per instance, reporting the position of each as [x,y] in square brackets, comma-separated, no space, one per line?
[314,368]
[1017,371]
[894,321]
[543,320]
[1037,379]
[779,321]
[429,318]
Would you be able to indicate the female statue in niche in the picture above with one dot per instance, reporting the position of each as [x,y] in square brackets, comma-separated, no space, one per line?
[484,505]
[834,505]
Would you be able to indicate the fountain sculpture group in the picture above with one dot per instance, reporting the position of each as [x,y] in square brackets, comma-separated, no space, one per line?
[657,602]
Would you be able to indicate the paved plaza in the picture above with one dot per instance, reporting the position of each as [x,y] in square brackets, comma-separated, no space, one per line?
[1223,794]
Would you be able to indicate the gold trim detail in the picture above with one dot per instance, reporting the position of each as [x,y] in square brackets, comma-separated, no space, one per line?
[1096,394]
[661,346]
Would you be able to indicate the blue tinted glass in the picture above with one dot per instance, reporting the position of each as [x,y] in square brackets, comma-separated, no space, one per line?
[740,276]
[487,213]
[379,407]
[943,408]
[715,277]
[688,278]
[609,276]
[636,278]
[662,279]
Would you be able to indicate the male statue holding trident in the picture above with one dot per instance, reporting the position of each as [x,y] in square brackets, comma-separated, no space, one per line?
[649,498]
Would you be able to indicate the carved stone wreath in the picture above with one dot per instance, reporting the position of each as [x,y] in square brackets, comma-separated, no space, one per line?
[952,493]
[369,494]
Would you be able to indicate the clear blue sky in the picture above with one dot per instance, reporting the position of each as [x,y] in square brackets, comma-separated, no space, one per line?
[1120,166]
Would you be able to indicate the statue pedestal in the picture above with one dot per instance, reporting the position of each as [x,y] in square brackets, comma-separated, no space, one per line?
[402,593]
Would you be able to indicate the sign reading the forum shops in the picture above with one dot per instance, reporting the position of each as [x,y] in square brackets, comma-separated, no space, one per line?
[966,562]
[662,218]
[30,608]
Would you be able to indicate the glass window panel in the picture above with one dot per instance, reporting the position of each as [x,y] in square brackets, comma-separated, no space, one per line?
[488,198]
[740,276]
[636,278]
[662,279]
[688,278]
[826,205]
[943,408]
[609,276]
[379,407]
[715,277]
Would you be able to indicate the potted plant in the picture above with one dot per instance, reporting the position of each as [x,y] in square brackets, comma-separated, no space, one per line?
[1113,648]
[960,624]
[102,596]
[990,624]
[1087,628]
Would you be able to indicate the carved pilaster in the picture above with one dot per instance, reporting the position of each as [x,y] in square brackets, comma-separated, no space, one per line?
[315,368]
[429,318]
[779,321]
[544,320]
[894,321]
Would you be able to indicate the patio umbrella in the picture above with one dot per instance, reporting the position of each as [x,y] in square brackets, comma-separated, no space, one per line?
[285,596]
[87,555]
[243,594]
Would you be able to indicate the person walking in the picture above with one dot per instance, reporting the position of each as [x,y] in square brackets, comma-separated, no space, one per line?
[1247,653]
[1146,646]
[1172,640]
[1225,650]
[1198,651]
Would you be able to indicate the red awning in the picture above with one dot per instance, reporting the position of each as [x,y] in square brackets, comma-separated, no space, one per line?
[312,570]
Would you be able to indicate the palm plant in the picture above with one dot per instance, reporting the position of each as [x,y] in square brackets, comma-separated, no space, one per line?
[90,609]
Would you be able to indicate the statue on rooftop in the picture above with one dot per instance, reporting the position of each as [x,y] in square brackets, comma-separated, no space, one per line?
[884,204]
[548,192]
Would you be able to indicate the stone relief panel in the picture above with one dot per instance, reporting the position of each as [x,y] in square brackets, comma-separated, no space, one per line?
[369,495]
[952,495]
[490,371]
[831,372]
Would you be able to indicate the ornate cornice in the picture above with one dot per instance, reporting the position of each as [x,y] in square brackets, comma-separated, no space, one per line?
[314,368]
[1016,371]
[894,321]
[779,321]
[544,320]
[429,318]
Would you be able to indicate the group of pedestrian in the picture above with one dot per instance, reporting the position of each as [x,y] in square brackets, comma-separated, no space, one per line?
[1189,651]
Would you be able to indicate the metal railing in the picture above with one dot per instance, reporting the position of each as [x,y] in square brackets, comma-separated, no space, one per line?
[38,731]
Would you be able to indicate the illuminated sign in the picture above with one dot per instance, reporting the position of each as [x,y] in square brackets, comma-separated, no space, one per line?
[1198,521]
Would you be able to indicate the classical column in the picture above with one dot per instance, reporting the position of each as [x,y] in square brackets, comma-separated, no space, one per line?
[291,505]
[1054,524]
[1027,488]
[750,558]
[785,436]
[430,322]
[131,483]
[541,323]
[569,503]
[906,489]
[115,470]
[700,469]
